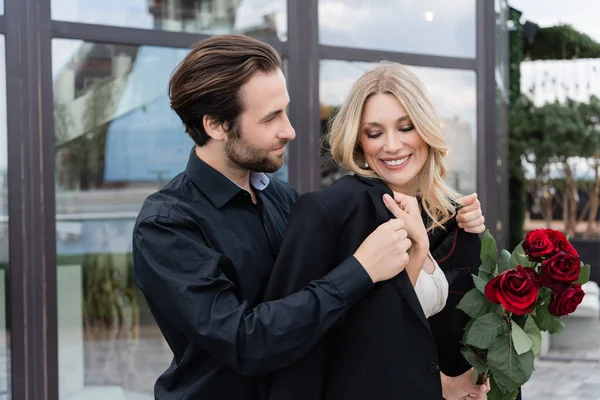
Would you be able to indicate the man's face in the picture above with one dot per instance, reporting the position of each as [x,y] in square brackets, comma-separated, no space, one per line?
[258,142]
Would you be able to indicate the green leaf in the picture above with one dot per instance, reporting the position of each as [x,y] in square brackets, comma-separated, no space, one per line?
[497,393]
[479,283]
[520,339]
[548,322]
[467,327]
[486,276]
[485,330]
[584,273]
[475,304]
[504,262]
[508,368]
[535,334]
[472,359]
[518,257]
[544,295]
[489,252]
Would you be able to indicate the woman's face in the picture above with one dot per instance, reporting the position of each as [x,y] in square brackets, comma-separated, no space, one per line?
[392,146]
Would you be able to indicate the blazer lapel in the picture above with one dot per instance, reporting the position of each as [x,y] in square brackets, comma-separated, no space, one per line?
[401,281]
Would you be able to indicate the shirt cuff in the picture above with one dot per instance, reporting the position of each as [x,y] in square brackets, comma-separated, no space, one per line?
[351,280]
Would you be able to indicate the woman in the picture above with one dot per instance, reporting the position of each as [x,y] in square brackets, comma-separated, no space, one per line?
[388,135]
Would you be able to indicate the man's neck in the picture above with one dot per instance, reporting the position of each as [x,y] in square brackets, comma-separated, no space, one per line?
[216,158]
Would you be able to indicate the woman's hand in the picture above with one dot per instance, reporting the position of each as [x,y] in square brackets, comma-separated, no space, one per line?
[411,214]
[406,208]
[469,217]
[462,387]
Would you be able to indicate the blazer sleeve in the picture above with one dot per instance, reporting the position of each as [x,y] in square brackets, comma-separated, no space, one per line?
[308,252]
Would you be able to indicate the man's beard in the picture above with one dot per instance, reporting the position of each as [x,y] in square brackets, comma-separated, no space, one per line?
[247,156]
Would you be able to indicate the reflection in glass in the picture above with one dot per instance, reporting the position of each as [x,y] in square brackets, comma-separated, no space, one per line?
[438,27]
[502,10]
[117,141]
[4,310]
[453,93]
[258,18]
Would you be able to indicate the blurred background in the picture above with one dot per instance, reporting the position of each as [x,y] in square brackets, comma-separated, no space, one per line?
[86,133]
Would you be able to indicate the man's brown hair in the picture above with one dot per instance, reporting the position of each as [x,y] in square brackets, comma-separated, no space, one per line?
[209,78]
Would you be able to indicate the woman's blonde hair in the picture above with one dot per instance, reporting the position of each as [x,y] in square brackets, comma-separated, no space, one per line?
[438,200]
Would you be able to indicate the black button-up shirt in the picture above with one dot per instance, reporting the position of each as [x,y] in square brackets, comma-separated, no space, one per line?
[203,253]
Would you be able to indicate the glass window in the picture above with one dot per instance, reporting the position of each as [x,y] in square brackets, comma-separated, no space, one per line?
[4,303]
[438,27]
[258,18]
[117,141]
[453,93]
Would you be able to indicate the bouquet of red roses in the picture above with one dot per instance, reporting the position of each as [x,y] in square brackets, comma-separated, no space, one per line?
[517,296]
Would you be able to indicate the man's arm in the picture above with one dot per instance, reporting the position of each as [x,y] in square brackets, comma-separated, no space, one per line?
[193,292]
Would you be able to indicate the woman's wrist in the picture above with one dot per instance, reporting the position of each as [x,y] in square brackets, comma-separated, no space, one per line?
[421,244]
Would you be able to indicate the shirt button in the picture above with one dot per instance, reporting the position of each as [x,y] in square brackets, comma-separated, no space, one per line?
[433,367]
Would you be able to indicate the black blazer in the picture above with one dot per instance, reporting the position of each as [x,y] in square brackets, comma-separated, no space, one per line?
[385,349]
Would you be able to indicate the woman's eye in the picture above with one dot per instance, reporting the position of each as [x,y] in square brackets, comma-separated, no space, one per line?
[406,128]
[373,135]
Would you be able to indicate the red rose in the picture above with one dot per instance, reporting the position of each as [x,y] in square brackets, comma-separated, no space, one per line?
[565,299]
[537,245]
[560,242]
[562,267]
[516,289]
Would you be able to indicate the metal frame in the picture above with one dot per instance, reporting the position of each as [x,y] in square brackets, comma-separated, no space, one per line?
[421,60]
[486,112]
[135,36]
[29,31]
[31,203]
[303,81]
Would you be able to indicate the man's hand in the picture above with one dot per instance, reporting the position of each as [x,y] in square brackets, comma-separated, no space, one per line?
[384,253]
[469,217]
[461,387]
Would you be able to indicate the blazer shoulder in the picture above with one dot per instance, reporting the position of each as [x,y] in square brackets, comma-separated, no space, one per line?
[347,190]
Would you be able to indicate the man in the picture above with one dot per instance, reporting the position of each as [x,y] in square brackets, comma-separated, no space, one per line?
[204,246]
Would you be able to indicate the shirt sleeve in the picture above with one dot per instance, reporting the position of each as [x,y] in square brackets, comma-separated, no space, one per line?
[181,275]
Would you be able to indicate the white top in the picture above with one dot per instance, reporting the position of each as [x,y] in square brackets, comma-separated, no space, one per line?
[432,290]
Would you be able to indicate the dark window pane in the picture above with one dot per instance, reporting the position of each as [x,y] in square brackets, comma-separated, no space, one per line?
[117,141]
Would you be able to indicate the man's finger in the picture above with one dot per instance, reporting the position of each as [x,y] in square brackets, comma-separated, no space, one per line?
[467,200]
[395,224]
[393,207]
[476,230]
[472,223]
[470,207]
[403,234]
[469,215]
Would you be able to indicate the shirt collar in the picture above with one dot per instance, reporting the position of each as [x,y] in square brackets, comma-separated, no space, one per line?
[217,187]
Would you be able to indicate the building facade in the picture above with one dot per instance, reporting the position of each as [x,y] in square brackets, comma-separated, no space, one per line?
[86,133]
